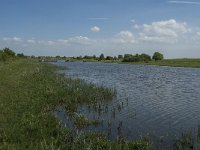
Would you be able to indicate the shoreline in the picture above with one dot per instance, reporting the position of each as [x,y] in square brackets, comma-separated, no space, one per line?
[183,63]
[30,91]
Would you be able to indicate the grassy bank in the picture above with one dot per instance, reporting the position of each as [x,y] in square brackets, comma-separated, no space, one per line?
[182,62]
[30,91]
[192,63]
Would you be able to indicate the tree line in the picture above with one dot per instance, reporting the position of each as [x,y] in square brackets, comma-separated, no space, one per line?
[125,58]
[8,54]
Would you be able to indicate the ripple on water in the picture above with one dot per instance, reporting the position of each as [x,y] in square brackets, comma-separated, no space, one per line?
[157,101]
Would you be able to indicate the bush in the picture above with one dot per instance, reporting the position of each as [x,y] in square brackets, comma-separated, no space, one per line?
[6,54]
[157,56]
[136,58]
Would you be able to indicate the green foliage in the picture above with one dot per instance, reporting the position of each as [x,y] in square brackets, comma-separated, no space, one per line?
[109,58]
[101,57]
[136,58]
[98,141]
[6,54]
[9,52]
[20,55]
[157,56]
[120,56]
[88,57]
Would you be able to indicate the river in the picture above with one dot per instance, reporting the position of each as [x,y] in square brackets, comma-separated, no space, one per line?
[158,102]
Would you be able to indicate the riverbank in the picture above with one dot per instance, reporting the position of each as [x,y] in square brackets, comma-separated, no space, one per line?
[30,92]
[191,63]
[182,62]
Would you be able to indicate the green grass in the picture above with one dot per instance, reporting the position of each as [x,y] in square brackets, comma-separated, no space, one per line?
[191,63]
[30,92]
[182,62]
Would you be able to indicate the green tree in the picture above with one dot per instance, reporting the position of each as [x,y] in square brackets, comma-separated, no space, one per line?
[109,58]
[1,53]
[6,54]
[157,56]
[145,57]
[20,55]
[101,57]
[94,56]
[120,57]
[9,52]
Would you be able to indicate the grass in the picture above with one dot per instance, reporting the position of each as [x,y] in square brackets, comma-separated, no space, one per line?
[192,63]
[182,62]
[30,92]
[81,121]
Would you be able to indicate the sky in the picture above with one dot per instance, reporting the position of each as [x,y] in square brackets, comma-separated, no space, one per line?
[92,27]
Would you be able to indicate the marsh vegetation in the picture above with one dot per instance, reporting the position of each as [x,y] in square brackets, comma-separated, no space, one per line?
[30,92]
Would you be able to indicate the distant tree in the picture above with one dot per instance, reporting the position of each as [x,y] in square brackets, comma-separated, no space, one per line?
[1,53]
[6,54]
[157,56]
[145,57]
[127,55]
[94,56]
[9,52]
[120,56]
[20,55]
[109,58]
[79,57]
[136,58]
[87,57]
[101,57]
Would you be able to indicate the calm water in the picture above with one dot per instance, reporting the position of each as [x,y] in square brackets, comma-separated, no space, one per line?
[159,102]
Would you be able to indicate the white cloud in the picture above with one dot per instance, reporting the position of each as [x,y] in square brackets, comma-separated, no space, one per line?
[51,42]
[13,39]
[95,29]
[136,26]
[163,31]
[198,33]
[63,41]
[125,37]
[184,2]
[31,41]
[133,21]
[83,40]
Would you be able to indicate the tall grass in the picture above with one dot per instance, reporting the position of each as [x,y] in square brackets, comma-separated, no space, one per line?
[29,92]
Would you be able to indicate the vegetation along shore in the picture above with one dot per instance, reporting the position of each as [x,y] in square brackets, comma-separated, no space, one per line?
[31,91]
[144,59]
[30,94]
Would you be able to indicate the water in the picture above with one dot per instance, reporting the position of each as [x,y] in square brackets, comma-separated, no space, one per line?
[159,102]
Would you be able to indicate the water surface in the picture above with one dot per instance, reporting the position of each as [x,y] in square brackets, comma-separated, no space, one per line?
[161,102]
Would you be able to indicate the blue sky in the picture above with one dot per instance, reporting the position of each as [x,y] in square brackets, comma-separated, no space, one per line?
[112,27]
